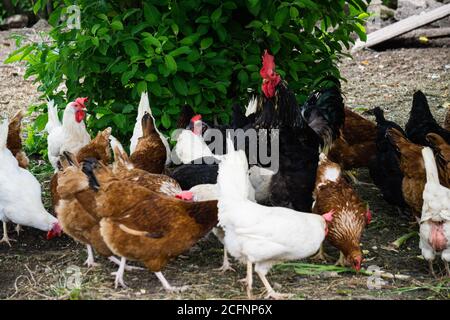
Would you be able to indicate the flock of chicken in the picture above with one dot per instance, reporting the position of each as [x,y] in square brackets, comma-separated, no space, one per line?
[144,208]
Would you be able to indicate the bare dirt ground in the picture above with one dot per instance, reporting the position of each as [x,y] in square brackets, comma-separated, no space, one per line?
[34,268]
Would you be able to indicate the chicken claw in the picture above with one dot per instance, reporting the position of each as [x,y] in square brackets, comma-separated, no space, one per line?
[90,262]
[226,266]
[119,274]
[341,260]
[167,285]
[5,238]
[321,255]
[270,292]
[278,296]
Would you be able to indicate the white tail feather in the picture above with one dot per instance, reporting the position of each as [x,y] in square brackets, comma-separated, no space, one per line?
[4,126]
[430,165]
[53,118]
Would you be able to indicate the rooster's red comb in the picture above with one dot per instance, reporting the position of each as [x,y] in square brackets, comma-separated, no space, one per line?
[81,102]
[268,65]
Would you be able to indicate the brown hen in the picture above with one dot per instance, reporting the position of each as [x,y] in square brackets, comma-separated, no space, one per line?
[349,215]
[150,153]
[141,225]
[413,169]
[14,142]
[98,148]
[356,145]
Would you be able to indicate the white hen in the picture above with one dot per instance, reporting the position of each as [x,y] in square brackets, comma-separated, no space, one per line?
[260,235]
[207,192]
[20,195]
[144,107]
[435,220]
[69,136]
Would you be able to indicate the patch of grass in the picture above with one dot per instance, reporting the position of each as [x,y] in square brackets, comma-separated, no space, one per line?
[441,288]
[309,269]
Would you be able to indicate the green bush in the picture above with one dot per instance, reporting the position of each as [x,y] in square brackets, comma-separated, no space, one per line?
[204,53]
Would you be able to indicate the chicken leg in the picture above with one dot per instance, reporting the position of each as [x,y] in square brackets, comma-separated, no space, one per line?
[270,292]
[249,280]
[341,260]
[430,263]
[119,274]
[226,266]
[18,229]
[166,285]
[5,235]
[90,261]
[127,267]
[447,268]
[321,255]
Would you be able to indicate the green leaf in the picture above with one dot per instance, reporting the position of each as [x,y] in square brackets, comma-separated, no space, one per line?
[120,120]
[281,16]
[126,76]
[170,63]
[151,14]
[293,11]
[255,24]
[117,25]
[151,77]
[165,120]
[180,51]
[155,88]
[202,19]
[95,41]
[206,43]
[180,85]
[141,87]
[131,48]
[215,16]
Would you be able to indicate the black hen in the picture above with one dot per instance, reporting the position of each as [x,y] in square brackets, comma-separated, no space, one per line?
[190,175]
[421,122]
[385,167]
[324,112]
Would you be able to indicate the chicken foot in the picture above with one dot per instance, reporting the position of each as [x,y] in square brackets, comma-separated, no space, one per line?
[5,238]
[226,266]
[113,259]
[119,274]
[271,293]
[90,261]
[321,255]
[18,229]
[430,264]
[166,285]
[341,260]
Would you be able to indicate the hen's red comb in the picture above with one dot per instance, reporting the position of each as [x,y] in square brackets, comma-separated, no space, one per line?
[81,102]
[368,216]
[197,117]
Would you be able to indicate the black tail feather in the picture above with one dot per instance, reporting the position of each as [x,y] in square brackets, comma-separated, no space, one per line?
[88,168]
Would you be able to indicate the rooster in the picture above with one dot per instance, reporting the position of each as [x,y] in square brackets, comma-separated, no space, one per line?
[421,122]
[20,195]
[69,136]
[299,144]
[435,219]
[260,235]
[144,107]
